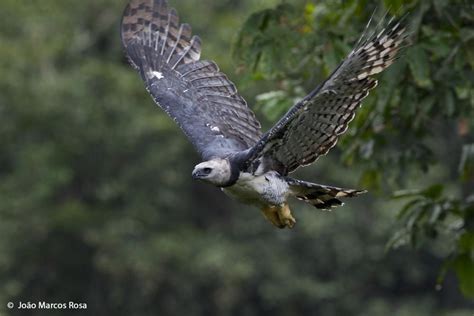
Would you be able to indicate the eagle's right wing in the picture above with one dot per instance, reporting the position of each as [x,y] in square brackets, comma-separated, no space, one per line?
[312,126]
[200,98]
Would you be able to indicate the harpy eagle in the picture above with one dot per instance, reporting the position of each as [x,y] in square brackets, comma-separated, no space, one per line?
[247,164]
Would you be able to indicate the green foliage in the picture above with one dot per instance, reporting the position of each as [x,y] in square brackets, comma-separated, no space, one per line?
[430,215]
[462,263]
[407,127]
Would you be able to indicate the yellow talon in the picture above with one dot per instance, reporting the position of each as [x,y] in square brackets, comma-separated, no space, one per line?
[284,213]
[280,215]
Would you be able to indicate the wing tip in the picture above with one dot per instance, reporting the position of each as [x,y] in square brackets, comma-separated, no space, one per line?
[153,23]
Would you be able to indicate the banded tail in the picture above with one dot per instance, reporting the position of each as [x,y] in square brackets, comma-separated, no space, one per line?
[320,196]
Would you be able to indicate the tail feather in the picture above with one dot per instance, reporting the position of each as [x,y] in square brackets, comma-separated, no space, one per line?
[320,196]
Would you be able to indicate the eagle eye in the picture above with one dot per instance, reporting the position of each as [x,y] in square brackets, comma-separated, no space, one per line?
[207,170]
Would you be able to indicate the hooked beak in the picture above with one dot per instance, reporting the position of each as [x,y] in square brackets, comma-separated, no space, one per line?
[198,174]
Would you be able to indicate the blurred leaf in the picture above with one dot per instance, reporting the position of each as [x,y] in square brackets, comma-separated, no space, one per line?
[405,193]
[440,5]
[371,179]
[463,91]
[464,267]
[466,34]
[419,66]
[405,211]
[273,103]
[433,192]
[466,164]
[435,214]
[449,103]
[466,243]
[399,238]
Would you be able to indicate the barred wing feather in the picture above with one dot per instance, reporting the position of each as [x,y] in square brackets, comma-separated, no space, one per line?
[312,126]
[200,98]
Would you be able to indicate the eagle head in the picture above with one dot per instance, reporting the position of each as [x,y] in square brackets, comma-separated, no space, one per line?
[215,171]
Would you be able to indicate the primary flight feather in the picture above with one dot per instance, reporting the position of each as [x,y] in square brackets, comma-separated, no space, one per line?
[248,165]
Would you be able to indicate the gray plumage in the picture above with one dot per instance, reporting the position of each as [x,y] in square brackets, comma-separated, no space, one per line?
[200,98]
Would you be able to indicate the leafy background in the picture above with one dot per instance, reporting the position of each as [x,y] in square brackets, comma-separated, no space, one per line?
[97,203]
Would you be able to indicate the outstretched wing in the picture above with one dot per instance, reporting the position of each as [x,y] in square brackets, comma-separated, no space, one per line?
[200,98]
[312,126]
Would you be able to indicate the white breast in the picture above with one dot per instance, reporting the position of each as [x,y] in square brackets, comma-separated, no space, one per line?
[265,189]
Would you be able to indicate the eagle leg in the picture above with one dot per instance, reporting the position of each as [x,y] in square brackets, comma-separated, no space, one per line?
[271,214]
[284,213]
[280,216]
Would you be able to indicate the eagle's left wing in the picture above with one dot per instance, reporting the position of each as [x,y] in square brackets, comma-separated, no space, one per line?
[312,126]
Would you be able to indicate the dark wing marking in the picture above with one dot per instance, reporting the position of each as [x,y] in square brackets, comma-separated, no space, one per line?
[200,98]
[312,126]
